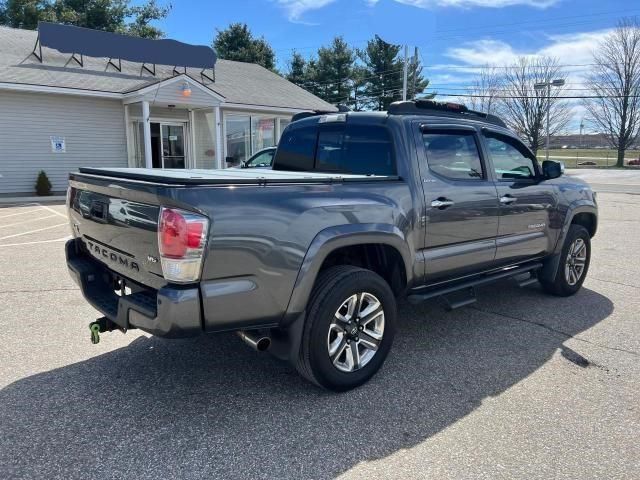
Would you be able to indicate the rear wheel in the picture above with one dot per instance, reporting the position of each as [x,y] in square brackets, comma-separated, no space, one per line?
[574,263]
[349,328]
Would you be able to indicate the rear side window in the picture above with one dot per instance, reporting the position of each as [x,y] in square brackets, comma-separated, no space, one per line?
[296,149]
[337,148]
[355,149]
[453,155]
[369,150]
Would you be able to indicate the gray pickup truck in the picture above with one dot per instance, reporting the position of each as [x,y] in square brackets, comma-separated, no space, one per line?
[307,260]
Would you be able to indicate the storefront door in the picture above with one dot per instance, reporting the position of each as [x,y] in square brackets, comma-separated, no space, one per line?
[172,145]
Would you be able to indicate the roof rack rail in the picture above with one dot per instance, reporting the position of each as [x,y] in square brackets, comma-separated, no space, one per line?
[299,116]
[431,107]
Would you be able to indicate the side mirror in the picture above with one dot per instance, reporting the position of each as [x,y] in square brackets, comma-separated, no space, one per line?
[243,164]
[551,169]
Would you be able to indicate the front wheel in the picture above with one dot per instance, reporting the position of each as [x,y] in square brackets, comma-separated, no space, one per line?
[574,263]
[349,328]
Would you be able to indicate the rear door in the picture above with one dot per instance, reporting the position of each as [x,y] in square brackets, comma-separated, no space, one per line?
[527,203]
[461,220]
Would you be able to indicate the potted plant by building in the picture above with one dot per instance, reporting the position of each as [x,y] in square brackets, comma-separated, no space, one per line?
[43,185]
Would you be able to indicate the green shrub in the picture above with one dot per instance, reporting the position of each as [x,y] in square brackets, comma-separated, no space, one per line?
[43,185]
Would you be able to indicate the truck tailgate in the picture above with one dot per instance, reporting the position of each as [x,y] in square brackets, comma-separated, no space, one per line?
[119,232]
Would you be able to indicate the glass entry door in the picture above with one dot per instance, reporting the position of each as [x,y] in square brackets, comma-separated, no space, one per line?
[172,145]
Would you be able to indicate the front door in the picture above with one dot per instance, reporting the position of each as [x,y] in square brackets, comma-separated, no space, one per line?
[172,145]
[527,203]
[461,220]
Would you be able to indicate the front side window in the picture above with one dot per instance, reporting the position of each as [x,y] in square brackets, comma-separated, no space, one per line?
[510,159]
[453,155]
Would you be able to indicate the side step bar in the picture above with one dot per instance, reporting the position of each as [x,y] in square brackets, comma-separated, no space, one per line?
[470,285]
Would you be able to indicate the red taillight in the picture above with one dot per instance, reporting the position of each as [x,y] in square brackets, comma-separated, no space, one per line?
[173,234]
[181,241]
[194,234]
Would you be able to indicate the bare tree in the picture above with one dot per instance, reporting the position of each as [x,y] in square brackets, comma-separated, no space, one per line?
[615,81]
[485,89]
[524,108]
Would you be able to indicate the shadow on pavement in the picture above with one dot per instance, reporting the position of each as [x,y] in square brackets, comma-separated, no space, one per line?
[210,407]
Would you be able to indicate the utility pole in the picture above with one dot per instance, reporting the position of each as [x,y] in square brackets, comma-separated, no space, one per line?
[415,74]
[406,71]
[581,129]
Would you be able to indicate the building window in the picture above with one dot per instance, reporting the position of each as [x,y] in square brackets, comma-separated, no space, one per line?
[248,134]
[284,123]
[238,128]
[263,133]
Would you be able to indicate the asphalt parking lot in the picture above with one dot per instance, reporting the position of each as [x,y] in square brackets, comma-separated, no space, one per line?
[519,385]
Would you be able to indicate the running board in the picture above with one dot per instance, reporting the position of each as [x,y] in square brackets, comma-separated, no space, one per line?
[470,285]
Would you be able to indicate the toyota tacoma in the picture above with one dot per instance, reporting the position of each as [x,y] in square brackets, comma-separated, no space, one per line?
[308,260]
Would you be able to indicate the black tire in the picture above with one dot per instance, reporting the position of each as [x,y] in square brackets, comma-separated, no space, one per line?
[333,287]
[560,285]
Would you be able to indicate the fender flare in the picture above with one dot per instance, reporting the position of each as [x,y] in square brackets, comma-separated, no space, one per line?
[332,238]
[548,271]
[580,206]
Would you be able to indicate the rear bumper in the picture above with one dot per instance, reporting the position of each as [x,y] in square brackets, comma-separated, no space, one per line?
[167,312]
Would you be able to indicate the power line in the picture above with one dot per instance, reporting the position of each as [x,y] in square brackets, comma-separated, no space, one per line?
[523,97]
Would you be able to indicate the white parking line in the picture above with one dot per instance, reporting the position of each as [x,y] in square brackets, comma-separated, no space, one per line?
[33,231]
[19,213]
[63,239]
[52,210]
[27,221]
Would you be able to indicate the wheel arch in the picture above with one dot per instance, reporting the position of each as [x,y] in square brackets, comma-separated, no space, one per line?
[340,241]
[580,213]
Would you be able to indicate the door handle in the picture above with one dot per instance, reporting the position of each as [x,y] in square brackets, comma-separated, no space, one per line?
[441,203]
[507,199]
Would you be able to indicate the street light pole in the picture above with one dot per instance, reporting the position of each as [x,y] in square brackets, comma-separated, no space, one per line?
[559,82]
[548,109]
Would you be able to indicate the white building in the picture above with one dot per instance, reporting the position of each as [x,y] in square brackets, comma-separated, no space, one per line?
[57,115]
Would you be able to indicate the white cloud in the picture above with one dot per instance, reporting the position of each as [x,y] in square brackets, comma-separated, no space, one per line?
[569,49]
[478,3]
[574,51]
[296,8]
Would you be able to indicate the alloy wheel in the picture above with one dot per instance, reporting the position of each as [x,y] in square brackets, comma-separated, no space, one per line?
[576,261]
[356,332]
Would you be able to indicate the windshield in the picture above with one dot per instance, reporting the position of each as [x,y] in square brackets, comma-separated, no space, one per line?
[262,159]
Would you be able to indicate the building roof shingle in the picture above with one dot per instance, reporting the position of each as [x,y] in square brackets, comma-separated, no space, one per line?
[237,82]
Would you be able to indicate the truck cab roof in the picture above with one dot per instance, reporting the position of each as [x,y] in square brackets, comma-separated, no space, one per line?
[428,110]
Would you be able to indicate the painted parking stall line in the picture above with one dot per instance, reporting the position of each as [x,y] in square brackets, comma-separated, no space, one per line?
[35,210]
[60,214]
[38,242]
[27,221]
[33,231]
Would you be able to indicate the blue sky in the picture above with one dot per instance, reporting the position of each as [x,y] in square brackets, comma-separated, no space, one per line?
[455,37]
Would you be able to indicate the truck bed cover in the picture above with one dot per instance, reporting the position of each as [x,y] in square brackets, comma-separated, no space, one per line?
[226,176]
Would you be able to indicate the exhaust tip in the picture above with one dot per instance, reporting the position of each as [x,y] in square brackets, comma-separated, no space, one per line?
[261,343]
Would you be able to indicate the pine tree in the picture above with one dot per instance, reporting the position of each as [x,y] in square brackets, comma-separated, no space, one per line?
[384,72]
[333,71]
[236,42]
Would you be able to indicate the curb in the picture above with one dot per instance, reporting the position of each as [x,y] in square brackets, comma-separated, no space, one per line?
[17,201]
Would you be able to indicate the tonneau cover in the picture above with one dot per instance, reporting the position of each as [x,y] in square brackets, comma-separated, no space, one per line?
[226,176]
